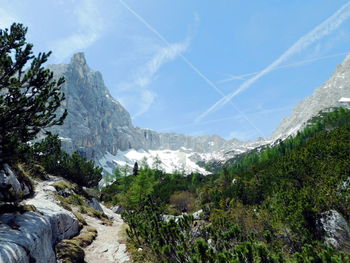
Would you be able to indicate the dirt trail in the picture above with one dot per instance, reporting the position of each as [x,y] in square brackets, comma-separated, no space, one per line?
[107,247]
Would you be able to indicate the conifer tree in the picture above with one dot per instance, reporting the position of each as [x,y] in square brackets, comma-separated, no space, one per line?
[29,94]
[135,170]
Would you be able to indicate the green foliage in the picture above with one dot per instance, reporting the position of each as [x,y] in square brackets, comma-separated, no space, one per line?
[72,167]
[29,97]
[81,171]
[263,207]
[170,240]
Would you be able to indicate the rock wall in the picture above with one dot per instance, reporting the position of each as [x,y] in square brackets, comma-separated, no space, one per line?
[31,236]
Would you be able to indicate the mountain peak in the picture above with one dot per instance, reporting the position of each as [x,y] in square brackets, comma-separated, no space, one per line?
[78,58]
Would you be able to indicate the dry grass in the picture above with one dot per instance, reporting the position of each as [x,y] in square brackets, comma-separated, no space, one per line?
[71,251]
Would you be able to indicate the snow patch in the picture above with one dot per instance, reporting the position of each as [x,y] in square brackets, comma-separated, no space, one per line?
[344,100]
[168,160]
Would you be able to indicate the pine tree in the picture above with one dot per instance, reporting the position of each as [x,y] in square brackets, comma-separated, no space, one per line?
[29,94]
[135,170]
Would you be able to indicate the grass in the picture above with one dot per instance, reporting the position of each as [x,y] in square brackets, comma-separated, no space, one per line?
[62,185]
[63,202]
[35,171]
[71,250]
[80,218]
[140,255]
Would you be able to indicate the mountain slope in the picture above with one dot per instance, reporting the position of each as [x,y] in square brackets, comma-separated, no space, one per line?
[326,96]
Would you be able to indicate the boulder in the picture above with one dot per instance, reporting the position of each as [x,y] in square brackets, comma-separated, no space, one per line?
[25,238]
[13,188]
[93,203]
[198,214]
[336,230]
[31,236]
[117,209]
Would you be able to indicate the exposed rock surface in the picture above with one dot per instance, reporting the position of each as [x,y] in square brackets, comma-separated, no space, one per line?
[13,188]
[326,96]
[26,237]
[30,237]
[336,230]
[63,223]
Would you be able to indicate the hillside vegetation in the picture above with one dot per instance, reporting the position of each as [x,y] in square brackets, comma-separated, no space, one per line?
[264,206]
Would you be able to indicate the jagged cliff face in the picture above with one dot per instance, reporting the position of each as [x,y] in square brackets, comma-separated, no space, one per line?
[97,123]
[326,96]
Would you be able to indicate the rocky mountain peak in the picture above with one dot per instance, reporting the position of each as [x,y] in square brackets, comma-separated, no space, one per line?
[78,59]
[97,124]
[330,94]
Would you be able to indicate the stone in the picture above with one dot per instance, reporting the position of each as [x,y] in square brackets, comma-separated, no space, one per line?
[31,236]
[336,230]
[13,188]
[117,209]
[197,215]
[32,239]
[93,203]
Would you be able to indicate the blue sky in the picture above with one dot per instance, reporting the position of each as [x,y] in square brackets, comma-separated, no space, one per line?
[229,67]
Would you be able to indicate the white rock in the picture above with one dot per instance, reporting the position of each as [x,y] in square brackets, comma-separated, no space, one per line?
[197,215]
[32,235]
[33,238]
[336,228]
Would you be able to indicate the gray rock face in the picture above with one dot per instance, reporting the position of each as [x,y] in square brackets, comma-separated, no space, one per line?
[63,223]
[97,123]
[117,209]
[30,237]
[12,188]
[336,230]
[326,96]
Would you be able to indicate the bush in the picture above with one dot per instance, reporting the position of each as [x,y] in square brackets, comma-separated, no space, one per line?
[183,201]
[72,167]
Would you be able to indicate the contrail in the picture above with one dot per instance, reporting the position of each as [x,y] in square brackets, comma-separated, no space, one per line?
[302,62]
[320,31]
[193,67]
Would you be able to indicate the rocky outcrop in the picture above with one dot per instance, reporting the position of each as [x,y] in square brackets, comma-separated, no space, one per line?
[13,187]
[31,236]
[326,96]
[26,237]
[336,230]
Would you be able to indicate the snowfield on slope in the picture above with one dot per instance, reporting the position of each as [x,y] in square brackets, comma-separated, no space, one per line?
[166,160]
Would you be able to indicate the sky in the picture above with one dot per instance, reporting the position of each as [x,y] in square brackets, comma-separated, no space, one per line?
[234,68]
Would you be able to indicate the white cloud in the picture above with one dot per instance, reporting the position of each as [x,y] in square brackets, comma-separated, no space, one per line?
[90,28]
[325,28]
[146,75]
[145,102]
[163,56]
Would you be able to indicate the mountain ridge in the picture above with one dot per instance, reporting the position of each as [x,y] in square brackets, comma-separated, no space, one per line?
[98,125]
[326,96]
[101,129]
